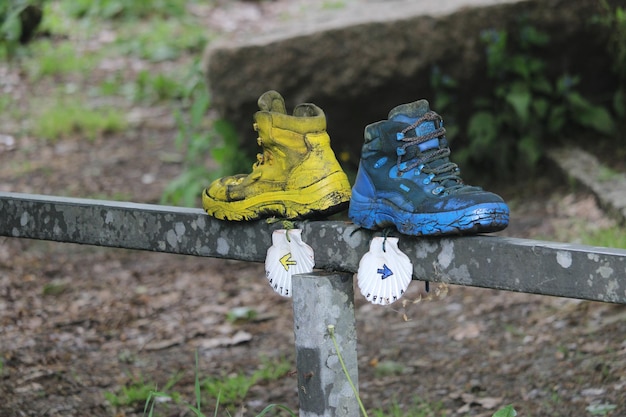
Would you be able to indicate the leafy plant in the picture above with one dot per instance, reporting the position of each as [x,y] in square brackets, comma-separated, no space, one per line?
[525,107]
[19,20]
[446,88]
[615,21]
[602,409]
[507,411]
[117,9]
[138,392]
[241,314]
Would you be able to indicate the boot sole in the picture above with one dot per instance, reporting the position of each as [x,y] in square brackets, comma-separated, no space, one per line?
[325,197]
[481,218]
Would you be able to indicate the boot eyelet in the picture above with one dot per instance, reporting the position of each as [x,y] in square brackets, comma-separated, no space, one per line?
[437,190]
[380,162]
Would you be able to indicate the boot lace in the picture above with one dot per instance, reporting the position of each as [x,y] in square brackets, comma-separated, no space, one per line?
[432,162]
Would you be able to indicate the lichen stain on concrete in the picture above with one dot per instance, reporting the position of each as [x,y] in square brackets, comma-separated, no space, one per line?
[252,234]
[605,271]
[214,229]
[593,257]
[174,236]
[24,219]
[352,239]
[611,290]
[199,223]
[222,246]
[180,229]
[424,248]
[461,275]
[564,259]
[419,272]
[446,256]
[171,238]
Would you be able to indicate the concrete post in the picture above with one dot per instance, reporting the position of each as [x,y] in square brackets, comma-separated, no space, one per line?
[321,299]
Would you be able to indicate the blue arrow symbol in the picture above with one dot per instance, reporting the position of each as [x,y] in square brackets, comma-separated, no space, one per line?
[385,272]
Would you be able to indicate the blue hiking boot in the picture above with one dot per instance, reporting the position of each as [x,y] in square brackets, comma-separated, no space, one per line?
[406,179]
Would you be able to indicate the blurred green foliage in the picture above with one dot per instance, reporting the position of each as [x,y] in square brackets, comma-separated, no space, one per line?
[522,109]
[19,20]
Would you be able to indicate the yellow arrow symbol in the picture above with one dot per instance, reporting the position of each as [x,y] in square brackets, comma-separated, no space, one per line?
[286,260]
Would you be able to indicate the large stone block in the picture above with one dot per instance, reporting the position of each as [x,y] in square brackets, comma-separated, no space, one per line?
[359,62]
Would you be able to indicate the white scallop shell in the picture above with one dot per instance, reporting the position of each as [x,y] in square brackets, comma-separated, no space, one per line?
[384,275]
[287,257]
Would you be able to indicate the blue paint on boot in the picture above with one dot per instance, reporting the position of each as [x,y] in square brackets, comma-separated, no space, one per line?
[406,179]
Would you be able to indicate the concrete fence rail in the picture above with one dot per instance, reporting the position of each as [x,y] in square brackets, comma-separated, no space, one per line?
[522,265]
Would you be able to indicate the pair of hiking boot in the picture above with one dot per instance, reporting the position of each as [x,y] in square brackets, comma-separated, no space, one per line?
[405,177]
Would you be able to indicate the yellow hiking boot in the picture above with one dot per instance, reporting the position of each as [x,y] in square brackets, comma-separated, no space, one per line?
[296,176]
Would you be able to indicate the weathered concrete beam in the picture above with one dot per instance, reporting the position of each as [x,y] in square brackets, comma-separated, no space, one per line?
[531,266]
[321,300]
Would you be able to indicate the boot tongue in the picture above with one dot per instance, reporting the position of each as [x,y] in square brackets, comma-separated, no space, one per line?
[272,101]
[409,113]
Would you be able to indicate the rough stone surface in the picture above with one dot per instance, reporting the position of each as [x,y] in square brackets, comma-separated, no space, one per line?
[359,62]
[608,186]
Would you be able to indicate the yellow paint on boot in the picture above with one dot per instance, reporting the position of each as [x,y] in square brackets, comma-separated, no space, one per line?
[296,176]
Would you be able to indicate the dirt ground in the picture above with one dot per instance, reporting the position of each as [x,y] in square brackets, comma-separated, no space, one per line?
[77,322]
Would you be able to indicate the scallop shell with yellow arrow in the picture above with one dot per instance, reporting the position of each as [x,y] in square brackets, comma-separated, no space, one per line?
[385,272]
[287,256]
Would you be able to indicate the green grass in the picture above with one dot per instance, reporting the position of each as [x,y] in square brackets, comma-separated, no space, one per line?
[54,288]
[232,389]
[72,118]
[48,59]
[226,391]
[138,392]
[151,88]
[611,238]
[5,103]
[161,40]
[123,9]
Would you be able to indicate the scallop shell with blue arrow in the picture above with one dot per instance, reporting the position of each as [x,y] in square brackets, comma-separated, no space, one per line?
[287,256]
[385,272]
